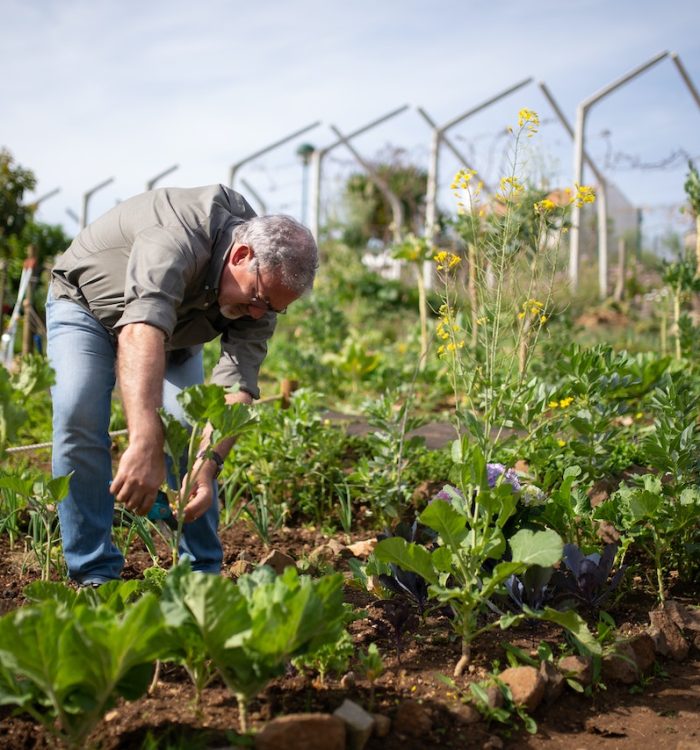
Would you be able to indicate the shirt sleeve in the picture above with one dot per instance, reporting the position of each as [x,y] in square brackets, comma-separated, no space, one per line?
[157,274]
[243,349]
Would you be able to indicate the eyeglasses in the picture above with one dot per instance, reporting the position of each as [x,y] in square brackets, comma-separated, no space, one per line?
[260,302]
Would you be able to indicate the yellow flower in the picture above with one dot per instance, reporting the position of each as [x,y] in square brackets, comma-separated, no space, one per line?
[553,404]
[561,443]
[566,402]
[446,261]
[528,117]
[544,206]
[543,318]
[584,194]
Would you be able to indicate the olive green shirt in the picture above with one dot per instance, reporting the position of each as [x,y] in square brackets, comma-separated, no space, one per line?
[157,258]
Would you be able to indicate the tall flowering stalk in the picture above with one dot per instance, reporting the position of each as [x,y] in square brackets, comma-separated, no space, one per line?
[487,336]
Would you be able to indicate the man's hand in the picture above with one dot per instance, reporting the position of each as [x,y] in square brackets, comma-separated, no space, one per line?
[141,473]
[201,490]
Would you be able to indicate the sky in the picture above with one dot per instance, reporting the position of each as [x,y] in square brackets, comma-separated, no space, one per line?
[125,89]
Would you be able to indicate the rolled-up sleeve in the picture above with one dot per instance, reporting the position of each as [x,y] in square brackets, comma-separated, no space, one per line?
[243,349]
[157,274]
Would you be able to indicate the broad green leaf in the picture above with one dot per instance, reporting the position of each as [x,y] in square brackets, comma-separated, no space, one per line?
[442,559]
[413,557]
[690,496]
[573,623]
[644,504]
[448,522]
[177,436]
[543,548]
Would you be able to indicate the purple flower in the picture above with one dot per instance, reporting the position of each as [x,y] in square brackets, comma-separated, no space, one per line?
[494,471]
[448,493]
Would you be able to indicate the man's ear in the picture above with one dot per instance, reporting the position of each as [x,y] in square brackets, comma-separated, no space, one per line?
[239,254]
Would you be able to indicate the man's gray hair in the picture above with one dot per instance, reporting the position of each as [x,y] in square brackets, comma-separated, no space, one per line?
[284,246]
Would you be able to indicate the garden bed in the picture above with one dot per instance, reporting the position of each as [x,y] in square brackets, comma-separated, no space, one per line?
[664,708]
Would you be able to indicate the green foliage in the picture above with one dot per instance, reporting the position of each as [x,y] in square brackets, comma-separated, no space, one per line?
[250,630]
[202,405]
[67,667]
[292,463]
[470,533]
[379,477]
[19,392]
[692,187]
[660,522]
[368,214]
[14,213]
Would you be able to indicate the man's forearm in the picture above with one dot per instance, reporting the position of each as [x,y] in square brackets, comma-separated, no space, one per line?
[141,369]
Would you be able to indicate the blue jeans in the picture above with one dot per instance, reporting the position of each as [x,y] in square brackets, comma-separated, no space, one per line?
[83,354]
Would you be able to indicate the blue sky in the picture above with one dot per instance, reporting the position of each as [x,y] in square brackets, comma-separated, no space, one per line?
[91,89]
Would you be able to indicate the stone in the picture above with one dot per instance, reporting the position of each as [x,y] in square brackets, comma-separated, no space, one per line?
[644,651]
[278,561]
[358,724]
[620,665]
[578,668]
[302,732]
[413,718]
[465,713]
[553,681]
[348,681]
[668,639]
[686,618]
[326,553]
[241,567]
[494,742]
[526,684]
[494,697]
[382,725]
[363,548]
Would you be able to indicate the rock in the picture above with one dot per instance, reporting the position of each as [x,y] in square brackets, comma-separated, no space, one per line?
[494,696]
[363,548]
[686,618]
[278,561]
[644,652]
[241,567]
[668,639]
[494,742]
[382,725]
[348,681]
[553,681]
[465,713]
[302,732]
[578,668]
[621,665]
[526,685]
[413,719]
[358,724]
[326,553]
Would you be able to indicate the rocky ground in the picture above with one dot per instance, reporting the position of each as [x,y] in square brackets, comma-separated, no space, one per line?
[651,692]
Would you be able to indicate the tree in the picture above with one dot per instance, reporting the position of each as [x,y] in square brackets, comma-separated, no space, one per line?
[368,214]
[14,215]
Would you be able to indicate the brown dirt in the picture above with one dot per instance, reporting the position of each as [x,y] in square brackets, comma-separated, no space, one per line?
[666,710]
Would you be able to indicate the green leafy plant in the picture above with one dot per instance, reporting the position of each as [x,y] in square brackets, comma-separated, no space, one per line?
[67,667]
[664,527]
[460,571]
[250,630]
[372,667]
[203,405]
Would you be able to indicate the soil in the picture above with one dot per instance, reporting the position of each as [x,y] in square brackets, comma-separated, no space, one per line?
[665,710]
